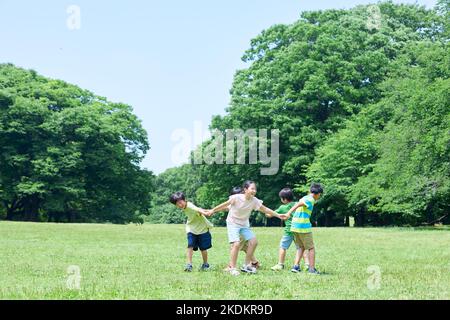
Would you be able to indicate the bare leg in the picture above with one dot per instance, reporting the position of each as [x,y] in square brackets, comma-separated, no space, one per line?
[189,254]
[205,256]
[298,257]
[306,257]
[312,258]
[282,256]
[252,244]
[234,252]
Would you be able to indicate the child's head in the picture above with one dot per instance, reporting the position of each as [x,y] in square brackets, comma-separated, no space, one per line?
[178,199]
[235,190]
[316,190]
[286,195]
[249,188]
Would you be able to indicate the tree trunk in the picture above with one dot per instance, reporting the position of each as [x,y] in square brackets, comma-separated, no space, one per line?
[31,209]
[360,218]
[329,218]
[9,214]
[347,221]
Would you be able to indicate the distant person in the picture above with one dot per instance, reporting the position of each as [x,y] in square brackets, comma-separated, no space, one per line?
[301,224]
[287,199]
[197,229]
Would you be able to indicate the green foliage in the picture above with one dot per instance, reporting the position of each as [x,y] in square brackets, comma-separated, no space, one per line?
[173,180]
[66,154]
[362,109]
[394,158]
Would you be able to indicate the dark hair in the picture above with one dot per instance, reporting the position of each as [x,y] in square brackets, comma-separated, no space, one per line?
[247,184]
[316,188]
[286,194]
[235,190]
[174,198]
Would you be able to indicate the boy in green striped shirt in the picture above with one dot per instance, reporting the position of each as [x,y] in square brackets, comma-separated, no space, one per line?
[287,198]
[301,225]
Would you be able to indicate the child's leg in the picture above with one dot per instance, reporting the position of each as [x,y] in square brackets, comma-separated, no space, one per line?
[306,257]
[308,241]
[233,238]
[244,244]
[192,243]
[234,254]
[189,254]
[300,248]
[282,256]
[312,258]
[205,256]
[205,240]
[285,243]
[298,257]
[252,244]
[250,238]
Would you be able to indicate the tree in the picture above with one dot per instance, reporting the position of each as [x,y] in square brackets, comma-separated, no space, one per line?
[306,79]
[391,162]
[66,154]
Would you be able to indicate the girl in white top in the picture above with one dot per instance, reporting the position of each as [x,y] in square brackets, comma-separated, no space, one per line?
[238,224]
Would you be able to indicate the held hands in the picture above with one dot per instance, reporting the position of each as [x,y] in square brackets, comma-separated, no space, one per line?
[209,213]
[283,217]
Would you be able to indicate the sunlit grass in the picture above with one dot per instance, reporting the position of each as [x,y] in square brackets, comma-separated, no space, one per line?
[146,262]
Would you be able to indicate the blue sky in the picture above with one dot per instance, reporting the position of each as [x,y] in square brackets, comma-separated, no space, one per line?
[173,61]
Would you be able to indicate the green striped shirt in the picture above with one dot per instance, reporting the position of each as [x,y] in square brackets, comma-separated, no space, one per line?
[301,220]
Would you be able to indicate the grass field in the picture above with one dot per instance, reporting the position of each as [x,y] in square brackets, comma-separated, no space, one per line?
[146,262]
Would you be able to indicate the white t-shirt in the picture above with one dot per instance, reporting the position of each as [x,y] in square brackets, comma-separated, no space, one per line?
[241,209]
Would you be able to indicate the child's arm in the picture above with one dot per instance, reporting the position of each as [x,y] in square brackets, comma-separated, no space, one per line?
[220,207]
[269,212]
[202,211]
[298,205]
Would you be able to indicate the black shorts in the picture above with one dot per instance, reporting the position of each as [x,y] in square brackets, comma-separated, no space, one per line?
[199,241]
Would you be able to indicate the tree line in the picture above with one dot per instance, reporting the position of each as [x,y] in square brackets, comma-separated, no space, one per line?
[362,109]
[360,97]
[67,155]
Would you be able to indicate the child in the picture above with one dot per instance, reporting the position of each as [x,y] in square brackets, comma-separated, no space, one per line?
[241,206]
[197,229]
[301,224]
[244,244]
[287,198]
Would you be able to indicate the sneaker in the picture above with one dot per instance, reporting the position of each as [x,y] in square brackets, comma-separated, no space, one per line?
[188,268]
[256,265]
[306,267]
[296,269]
[227,268]
[313,271]
[234,272]
[205,267]
[278,267]
[248,269]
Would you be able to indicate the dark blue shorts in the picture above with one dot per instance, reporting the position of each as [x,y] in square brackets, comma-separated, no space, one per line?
[199,241]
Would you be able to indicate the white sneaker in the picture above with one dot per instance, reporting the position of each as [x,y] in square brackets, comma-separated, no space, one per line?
[234,272]
[248,269]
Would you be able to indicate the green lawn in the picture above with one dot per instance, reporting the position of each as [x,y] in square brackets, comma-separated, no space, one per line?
[146,262]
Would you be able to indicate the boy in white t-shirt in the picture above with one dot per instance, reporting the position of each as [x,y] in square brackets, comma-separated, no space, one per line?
[197,229]
[240,208]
